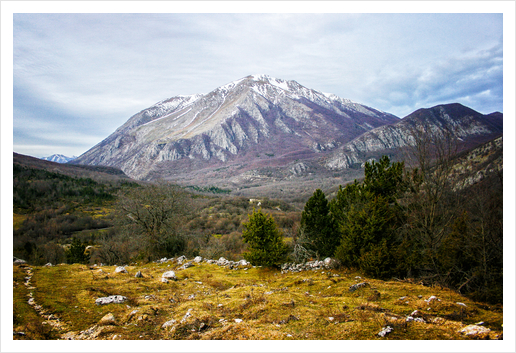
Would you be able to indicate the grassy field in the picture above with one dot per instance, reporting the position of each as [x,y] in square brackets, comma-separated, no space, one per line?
[209,302]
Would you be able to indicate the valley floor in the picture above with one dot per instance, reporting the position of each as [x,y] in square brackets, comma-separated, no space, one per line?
[211,302]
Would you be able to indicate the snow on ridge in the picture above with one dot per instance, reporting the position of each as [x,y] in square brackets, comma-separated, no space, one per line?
[260,77]
[231,84]
[58,158]
[171,106]
[174,102]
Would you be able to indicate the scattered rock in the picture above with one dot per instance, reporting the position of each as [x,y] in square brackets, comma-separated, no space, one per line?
[108,319]
[238,320]
[186,265]
[138,274]
[48,265]
[187,315]
[433,297]
[475,331]
[327,263]
[415,319]
[17,261]
[222,261]
[358,286]
[169,275]
[416,313]
[168,323]
[198,259]
[243,263]
[386,330]
[331,263]
[164,280]
[120,269]
[113,299]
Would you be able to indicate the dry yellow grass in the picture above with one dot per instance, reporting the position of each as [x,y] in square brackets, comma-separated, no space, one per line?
[208,302]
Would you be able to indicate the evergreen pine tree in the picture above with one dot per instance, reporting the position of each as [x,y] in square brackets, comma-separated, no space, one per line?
[264,239]
[318,227]
[368,217]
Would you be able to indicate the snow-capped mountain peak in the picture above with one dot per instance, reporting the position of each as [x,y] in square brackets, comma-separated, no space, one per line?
[59,158]
[250,116]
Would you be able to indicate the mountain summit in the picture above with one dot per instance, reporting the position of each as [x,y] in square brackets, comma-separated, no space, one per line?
[254,121]
[273,136]
[58,158]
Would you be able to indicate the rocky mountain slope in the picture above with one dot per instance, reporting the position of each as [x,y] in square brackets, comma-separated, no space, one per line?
[466,127]
[255,120]
[261,131]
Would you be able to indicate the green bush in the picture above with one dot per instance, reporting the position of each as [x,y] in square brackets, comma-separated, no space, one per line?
[265,241]
[318,228]
[76,253]
[369,217]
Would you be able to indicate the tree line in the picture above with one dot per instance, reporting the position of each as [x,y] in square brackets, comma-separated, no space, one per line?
[400,222]
[410,223]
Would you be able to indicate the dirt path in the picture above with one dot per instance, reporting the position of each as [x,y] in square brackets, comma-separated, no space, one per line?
[49,318]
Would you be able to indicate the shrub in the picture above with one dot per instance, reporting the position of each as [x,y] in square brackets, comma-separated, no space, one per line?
[318,226]
[369,218]
[265,241]
[76,253]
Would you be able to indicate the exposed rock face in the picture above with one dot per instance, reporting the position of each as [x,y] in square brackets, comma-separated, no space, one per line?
[465,126]
[256,115]
[260,130]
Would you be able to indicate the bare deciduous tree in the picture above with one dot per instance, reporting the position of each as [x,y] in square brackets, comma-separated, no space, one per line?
[155,214]
[430,205]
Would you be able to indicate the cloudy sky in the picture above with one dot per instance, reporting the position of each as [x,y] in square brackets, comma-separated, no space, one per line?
[77,77]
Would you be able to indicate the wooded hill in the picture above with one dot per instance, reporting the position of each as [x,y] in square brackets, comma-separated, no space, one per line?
[440,223]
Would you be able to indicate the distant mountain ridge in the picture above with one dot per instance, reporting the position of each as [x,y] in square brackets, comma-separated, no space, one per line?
[467,126]
[59,158]
[98,173]
[260,130]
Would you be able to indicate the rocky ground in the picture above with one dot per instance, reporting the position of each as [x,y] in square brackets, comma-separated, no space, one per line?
[192,299]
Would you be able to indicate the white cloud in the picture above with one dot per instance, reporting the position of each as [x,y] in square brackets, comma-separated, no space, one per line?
[103,68]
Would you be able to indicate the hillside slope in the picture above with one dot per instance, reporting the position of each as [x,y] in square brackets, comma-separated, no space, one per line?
[210,301]
[98,173]
[465,126]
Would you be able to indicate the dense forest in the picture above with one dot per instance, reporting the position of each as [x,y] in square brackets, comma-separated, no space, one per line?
[418,223]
